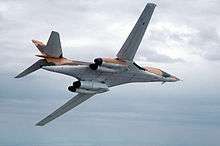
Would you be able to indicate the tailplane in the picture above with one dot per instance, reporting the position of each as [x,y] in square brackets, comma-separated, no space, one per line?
[51,50]
[37,65]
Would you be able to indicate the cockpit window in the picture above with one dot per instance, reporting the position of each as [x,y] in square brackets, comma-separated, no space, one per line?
[141,68]
[164,74]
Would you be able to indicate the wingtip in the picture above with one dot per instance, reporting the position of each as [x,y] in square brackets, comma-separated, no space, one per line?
[39,124]
[54,32]
[18,76]
[152,4]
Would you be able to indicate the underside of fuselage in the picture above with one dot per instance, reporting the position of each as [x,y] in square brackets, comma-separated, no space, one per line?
[109,76]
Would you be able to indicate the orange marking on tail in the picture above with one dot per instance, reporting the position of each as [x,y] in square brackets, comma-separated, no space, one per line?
[154,70]
[57,61]
[39,45]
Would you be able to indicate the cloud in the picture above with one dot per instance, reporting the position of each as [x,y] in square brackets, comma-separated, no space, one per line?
[207,41]
[105,26]
[151,56]
[201,18]
[179,31]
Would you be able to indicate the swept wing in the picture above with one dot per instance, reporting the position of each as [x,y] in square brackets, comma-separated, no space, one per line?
[75,101]
[133,41]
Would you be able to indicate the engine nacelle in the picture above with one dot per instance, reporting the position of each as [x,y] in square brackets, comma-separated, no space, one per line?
[108,64]
[95,86]
[111,63]
[114,66]
[88,87]
[85,91]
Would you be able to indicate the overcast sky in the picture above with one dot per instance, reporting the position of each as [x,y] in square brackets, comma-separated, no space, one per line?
[182,39]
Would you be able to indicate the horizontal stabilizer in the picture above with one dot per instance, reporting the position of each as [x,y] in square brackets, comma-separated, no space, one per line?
[37,65]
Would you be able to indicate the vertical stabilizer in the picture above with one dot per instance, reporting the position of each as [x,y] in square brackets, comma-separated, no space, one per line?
[53,47]
[51,50]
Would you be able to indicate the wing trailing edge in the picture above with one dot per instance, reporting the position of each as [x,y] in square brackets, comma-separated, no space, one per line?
[75,101]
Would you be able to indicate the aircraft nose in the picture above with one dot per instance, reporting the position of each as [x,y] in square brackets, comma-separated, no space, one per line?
[176,79]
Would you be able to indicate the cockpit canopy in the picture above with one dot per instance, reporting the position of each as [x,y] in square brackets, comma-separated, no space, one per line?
[164,74]
[139,67]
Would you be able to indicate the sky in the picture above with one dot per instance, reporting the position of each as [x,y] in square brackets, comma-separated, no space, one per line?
[182,39]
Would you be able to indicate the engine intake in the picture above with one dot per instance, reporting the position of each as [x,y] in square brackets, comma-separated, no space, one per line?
[93,66]
[76,84]
[98,61]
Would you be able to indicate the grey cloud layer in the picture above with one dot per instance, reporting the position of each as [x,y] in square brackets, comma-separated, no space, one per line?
[200,16]
[23,20]
[136,114]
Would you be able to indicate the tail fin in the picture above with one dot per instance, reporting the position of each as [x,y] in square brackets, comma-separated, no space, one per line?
[52,49]
[37,65]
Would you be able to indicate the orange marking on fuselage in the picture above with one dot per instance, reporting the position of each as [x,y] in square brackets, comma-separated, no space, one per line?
[57,61]
[154,70]
[114,61]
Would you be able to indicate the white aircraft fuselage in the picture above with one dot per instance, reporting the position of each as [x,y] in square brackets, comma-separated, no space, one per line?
[113,74]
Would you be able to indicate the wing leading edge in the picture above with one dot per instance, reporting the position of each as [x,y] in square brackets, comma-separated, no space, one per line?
[78,99]
[133,41]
